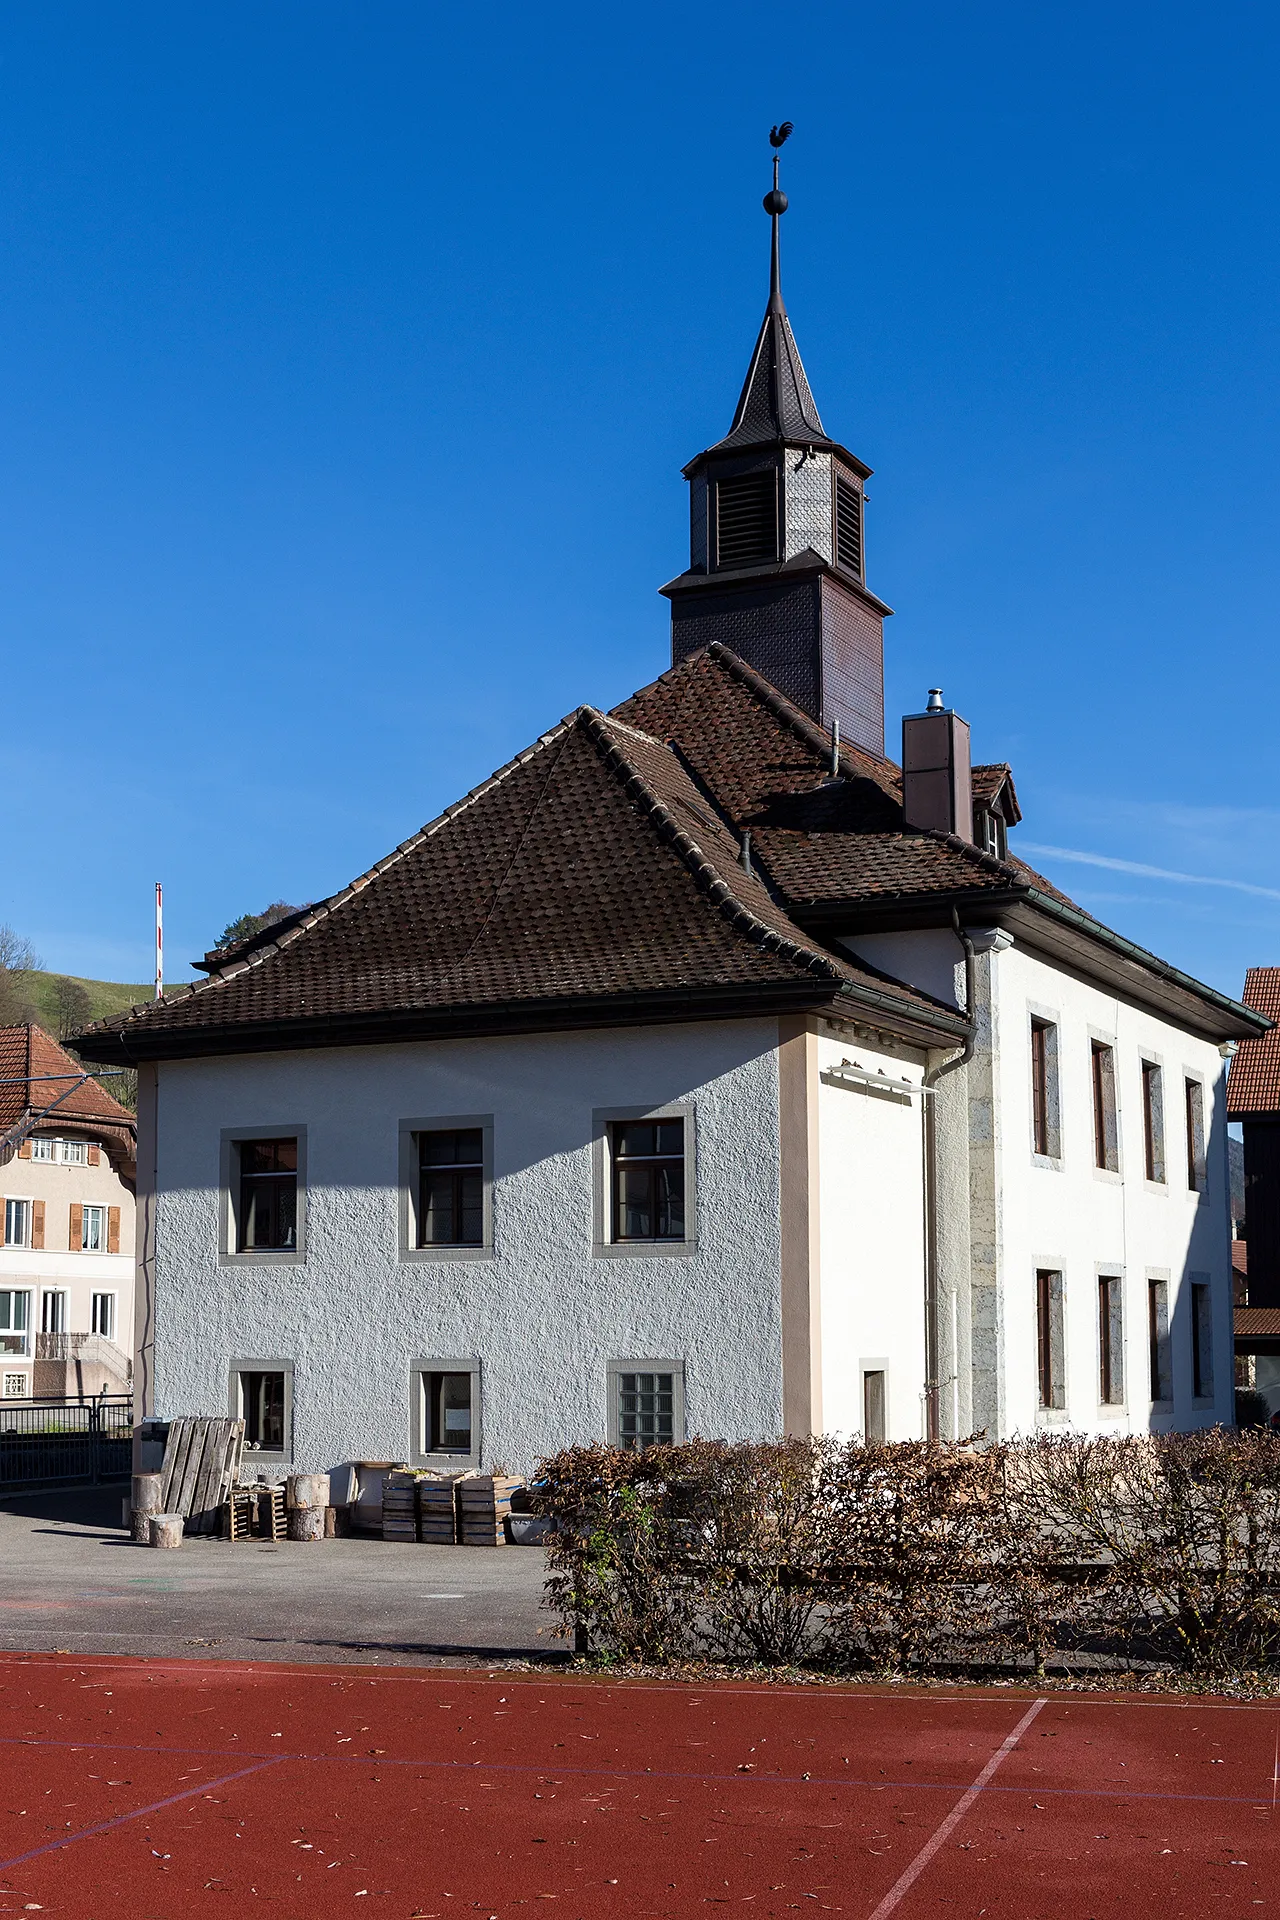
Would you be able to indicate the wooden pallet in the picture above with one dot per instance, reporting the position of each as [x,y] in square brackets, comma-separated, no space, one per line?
[484,1501]
[438,1511]
[400,1505]
[201,1461]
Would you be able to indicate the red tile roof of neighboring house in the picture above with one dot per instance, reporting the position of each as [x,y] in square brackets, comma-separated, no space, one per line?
[1253,1084]
[35,1071]
[1258,1322]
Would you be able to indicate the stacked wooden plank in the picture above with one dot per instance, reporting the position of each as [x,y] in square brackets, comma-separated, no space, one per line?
[201,1462]
[237,1514]
[484,1501]
[437,1510]
[400,1504]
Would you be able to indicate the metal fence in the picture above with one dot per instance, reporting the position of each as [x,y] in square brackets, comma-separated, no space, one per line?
[65,1443]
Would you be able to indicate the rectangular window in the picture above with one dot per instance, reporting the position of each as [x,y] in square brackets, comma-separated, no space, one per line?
[93,1230]
[1153,1120]
[1158,1339]
[646,1409]
[268,1214]
[446,1409]
[1202,1340]
[1106,1141]
[17,1218]
[15,1386]
[1049,1346]
[53,1311]
[15,1320]
[451,1189]
[747,519]
[848,526]
[647,1159]
[74,1153]
[43,1149]
[1044,1089]
[103,1316]
[1194,1093]
[1110,1340]
[873,1407]
[261,1396]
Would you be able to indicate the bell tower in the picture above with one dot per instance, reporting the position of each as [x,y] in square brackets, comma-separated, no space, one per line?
[776,551]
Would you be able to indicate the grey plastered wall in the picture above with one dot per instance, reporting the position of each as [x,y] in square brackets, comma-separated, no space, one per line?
[542,1316]
[986,1292]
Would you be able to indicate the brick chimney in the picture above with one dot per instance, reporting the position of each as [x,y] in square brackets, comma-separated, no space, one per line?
[937,785]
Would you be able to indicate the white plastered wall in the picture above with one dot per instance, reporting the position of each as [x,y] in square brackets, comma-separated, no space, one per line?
[873,1242]
[1075,1218]
[544,1316]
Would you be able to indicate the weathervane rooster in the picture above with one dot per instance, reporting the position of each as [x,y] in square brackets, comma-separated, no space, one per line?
[776,201]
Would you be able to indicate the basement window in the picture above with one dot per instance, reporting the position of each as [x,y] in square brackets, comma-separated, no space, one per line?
[747,520]
[446,1414]
[646,1403]
[262,1396]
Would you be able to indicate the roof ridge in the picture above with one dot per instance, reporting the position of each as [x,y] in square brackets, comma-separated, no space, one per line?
[324,908]
[740,916]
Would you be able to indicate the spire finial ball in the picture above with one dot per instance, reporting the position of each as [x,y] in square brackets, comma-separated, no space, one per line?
[775,201]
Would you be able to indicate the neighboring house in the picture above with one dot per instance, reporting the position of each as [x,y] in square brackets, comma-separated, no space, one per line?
[702,1071]
[1253,1098]
[68,1168]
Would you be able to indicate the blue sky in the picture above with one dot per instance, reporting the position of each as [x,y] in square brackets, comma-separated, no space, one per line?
[350,356]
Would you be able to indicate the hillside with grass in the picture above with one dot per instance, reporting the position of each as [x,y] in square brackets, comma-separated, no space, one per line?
[47,994]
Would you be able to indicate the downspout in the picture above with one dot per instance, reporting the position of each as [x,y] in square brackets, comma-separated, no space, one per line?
[929,1126]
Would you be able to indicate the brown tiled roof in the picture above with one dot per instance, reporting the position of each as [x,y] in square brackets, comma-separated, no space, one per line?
[988,781]
[1258,1322]
[822,841]
[35,1071]
[1253,1084]
[588,877]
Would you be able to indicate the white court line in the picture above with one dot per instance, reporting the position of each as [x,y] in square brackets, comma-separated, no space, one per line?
[907,1880]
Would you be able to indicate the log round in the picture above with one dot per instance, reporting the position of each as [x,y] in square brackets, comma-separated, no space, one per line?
[166,1530]
[306,1523]
[307,1490]
[147,1492]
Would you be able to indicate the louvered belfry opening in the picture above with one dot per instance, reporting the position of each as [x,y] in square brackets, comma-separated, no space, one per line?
[848,527]
[747,519]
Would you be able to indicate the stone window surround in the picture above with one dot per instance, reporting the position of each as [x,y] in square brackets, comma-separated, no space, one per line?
[616,1368]
[1050,1017]
[419,1366]
[229,1199]
[875,1364]
[236,1367]
[1110,1176]
[1059,1414]
[1164,1275]
[1200,1191]
[1151,1057]
[409,1252]
[603,1247]
[1113,1270]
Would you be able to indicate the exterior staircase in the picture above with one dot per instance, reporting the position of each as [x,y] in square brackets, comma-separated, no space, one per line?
[79,1366]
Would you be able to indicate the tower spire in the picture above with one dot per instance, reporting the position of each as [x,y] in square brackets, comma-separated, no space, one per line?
[775,205]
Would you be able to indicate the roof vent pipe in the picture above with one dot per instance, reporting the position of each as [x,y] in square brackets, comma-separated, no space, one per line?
[934,703]
[835,749]
[744,851]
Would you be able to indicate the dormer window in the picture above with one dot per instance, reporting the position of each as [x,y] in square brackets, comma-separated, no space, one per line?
[992,833]
[747,519]
[848,527]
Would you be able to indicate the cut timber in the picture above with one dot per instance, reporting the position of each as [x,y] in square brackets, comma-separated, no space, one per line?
[306,1523]
[166,1530]
[146,1500]
[307,1490]
[201,1461]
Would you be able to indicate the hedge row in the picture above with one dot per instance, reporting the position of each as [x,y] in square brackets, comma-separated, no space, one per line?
[916,1557]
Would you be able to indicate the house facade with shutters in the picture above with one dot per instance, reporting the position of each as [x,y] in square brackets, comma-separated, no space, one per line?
[68,1166]
[704,1070]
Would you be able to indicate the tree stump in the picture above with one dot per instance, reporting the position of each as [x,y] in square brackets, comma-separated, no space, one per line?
[306,1523]
[166,1530]
[144,1504]
[307,1490]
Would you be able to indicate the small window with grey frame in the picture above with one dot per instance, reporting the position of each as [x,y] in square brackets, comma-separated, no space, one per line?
[448,1411]
[646,1404]
[267,1214]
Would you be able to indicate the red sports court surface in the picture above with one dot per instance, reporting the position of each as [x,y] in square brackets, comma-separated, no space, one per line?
[180,1789]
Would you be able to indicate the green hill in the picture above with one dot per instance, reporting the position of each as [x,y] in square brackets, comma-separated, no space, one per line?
[105,996]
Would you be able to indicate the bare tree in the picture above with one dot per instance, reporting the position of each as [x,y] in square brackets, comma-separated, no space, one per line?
[17,957]
[72,1005]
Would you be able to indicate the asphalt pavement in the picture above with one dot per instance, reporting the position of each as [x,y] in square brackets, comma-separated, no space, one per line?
[71,1579]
